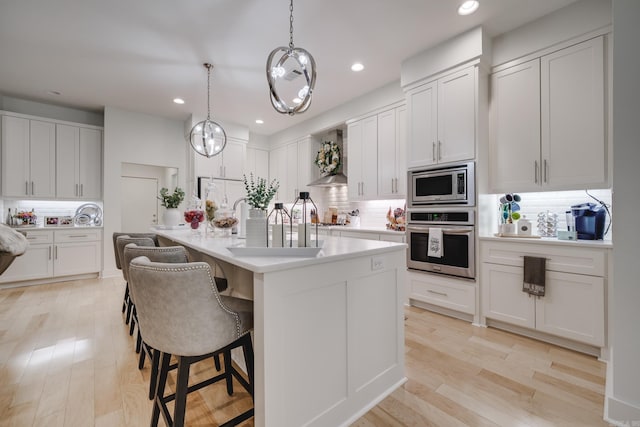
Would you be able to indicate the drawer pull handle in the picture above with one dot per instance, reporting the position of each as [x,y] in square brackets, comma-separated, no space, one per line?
[443,294]
[78,235]
[32,238]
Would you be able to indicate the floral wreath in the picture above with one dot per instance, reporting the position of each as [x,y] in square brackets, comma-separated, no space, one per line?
[328,158]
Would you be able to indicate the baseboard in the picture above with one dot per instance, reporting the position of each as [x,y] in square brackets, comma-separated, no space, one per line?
[621,413]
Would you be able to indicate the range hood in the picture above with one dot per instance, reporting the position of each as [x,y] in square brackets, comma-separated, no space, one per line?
[338,178]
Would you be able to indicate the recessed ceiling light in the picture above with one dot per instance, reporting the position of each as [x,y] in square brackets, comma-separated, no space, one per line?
[178,100]
[54,92]
[259,121]
[468,7]
[357,67]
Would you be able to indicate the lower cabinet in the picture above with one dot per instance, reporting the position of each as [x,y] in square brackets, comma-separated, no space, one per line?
[455,295]
[57,253]
[573,306]
[372,235]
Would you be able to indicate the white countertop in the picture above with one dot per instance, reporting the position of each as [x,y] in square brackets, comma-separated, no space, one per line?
[598,244]
[378,230]
[335,248]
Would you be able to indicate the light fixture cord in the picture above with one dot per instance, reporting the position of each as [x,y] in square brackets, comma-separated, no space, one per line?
[291,25]
[208,91]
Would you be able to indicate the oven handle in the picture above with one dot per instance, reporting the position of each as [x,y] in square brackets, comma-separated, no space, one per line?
[461,230]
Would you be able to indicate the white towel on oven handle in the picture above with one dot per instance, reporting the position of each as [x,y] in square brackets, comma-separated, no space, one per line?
[435,243]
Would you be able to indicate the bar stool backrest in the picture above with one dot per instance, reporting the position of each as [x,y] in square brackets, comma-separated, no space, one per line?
[115,236]
[179,308]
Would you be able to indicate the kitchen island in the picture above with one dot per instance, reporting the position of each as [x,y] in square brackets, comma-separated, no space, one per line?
[328,330]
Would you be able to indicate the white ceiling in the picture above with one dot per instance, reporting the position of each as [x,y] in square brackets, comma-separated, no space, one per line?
[140,54]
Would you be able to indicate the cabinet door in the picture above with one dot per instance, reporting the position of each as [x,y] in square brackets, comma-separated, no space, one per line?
[90,164]
[457,116]
[290,189]
[574,149]
[15,157]
[369,152]
[233,159]
[515,128]
[76,258]
[423,125]
[572,307]
[354,158]
[208,166]
[401,152]
[277,171]
[67,159]
[387,154]
[502,296]
[35,263]
[42,153]
[257,162]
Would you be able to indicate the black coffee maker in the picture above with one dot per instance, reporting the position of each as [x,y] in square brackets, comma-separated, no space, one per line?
[590,219]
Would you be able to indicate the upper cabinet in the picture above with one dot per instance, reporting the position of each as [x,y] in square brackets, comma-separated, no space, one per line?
[442,119]
[257,162]
[79,162]
[392,135]
[376,155]
[28,158]
[547,129]
[227,165]
[362,153]
[292,165]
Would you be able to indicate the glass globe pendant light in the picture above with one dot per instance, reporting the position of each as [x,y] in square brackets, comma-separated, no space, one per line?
[291,73]
[207,137]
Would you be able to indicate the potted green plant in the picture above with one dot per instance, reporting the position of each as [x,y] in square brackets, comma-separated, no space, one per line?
[259,193]
[171,217]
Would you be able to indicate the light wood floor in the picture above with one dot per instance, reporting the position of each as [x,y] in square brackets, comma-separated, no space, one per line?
[66,359]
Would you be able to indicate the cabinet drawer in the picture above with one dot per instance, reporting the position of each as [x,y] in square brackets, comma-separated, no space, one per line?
[448,294]
[360,235]
[576,260]
[392,238]
[70,236]
[35,237]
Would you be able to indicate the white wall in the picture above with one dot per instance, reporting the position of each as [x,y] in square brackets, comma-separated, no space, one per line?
[131,137]
[572,21]
[364,104]
[623,386]
[51,111]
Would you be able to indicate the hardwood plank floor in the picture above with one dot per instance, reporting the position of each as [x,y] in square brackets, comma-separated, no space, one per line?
[66,359]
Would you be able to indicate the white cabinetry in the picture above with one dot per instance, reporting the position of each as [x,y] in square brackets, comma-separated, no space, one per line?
[78,162]
[442,119]
[362,155]
[28,158]
[292,165]
[371,235]
[257,162]
[548,122]
[230,164]
[392,136]
[58,253]
[443,294]
[573,304]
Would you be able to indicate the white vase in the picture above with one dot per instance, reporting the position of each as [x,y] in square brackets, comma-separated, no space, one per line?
[171,217]
[256,228]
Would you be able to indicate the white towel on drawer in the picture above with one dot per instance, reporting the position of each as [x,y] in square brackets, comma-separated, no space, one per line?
[435,248]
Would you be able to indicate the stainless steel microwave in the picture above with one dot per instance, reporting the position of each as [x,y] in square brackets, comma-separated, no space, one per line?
[442,185]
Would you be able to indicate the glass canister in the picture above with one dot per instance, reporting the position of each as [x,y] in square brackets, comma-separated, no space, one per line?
[548,224]
[224,221]
[194,214]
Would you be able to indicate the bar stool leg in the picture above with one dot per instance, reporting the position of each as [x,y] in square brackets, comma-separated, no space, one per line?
[228,372]
[160,384]
[153,379]
[182,384]
[247,350]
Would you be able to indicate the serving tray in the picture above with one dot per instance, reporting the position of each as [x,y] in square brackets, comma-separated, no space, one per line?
[295,251]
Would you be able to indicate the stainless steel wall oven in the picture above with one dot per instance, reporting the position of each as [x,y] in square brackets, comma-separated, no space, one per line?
[457,226]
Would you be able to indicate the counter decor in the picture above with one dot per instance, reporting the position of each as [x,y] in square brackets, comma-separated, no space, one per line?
[259,195]
[171,216]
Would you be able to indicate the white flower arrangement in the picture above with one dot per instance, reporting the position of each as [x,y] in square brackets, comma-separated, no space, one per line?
[328,158]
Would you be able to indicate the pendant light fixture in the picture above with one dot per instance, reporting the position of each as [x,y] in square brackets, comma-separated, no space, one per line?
[207,137]
[291,73]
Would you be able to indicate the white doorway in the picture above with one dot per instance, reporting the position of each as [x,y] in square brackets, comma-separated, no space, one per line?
[139,204]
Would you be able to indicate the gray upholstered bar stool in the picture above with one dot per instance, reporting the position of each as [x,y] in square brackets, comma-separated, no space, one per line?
[165,254]
[120,242]
[126,303]
[182,314]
